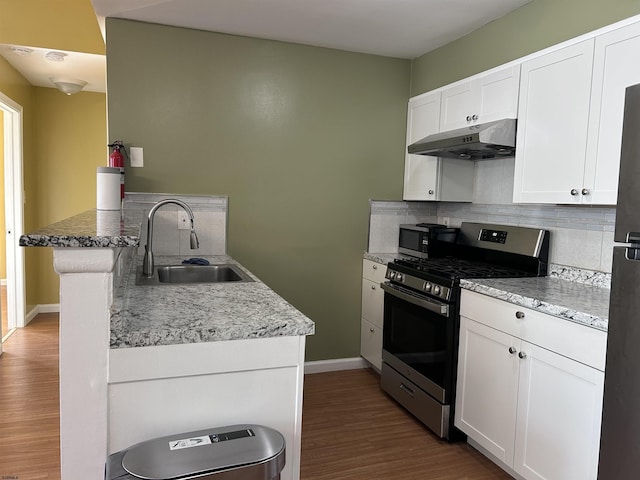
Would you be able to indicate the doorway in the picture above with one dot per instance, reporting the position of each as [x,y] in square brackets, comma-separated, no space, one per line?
[13,214]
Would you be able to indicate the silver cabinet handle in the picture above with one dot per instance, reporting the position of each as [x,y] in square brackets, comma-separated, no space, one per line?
[512,350]
[474,117]
[522,355]
[430,192]
[585,191]
[574,192]
[373,287]
[519,314]
[375,267]
[468,118]
[371,330]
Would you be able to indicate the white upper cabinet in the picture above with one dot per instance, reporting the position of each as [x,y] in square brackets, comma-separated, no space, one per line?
[615,67]
[490,97]
[420,172]
[570,120]
[432,178]
[553,118]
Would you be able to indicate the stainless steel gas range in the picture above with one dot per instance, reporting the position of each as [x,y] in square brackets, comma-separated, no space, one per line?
[421,314]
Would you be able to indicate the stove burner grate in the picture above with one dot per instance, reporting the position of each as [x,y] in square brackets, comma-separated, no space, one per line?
[456,268]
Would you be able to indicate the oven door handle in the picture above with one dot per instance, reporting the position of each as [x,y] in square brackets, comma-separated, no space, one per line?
[431,305]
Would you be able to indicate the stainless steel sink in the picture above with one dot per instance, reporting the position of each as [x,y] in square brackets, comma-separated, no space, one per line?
[189,274]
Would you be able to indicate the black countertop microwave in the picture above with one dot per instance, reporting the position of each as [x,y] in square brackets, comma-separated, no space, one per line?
[426,240]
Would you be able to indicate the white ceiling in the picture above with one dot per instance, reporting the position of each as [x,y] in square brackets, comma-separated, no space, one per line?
[393,28]
[37,69]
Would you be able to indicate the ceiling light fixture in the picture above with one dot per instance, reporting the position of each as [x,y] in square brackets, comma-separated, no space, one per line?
[68,86]
[21,51]
[55,56]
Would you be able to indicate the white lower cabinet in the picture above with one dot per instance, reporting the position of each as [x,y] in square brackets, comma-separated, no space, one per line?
[535,410]
[372,312]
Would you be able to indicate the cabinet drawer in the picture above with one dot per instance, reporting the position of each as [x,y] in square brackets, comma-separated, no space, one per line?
[371,343]
[373,271]
[372,302]
[579,342]
[423,406]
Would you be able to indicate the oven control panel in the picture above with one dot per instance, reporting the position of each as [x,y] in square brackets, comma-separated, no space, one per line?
[494,236]
[419,284]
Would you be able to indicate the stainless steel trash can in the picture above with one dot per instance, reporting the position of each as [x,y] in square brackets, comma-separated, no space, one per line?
[238,452]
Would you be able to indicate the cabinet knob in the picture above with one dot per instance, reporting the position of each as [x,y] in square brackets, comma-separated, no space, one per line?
[574,192]
[474,117]
[468,118]
[512,350]
[519,314]
[585,191]
[431,192]
[371,330]
[522,355]
[375,267]
[373,287]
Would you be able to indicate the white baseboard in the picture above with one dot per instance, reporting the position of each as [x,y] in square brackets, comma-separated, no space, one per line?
[41,308]
[333,365]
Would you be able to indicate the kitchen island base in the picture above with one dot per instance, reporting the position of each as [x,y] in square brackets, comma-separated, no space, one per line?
[156,391]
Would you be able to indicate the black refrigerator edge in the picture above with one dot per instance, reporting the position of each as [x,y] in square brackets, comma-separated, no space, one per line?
[620,436]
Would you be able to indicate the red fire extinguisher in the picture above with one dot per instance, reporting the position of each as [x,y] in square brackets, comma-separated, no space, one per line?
[116,160]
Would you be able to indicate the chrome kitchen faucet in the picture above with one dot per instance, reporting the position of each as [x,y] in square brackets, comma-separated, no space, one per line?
[147,263]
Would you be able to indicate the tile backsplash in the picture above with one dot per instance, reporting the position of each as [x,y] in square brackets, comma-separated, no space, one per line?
[581,236]
[210,220]
[386,217]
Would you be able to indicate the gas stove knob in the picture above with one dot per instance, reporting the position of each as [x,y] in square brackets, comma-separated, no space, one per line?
[436,290]
[398,277]
[427,286]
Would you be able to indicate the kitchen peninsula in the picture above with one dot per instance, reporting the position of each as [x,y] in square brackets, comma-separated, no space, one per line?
[142,361]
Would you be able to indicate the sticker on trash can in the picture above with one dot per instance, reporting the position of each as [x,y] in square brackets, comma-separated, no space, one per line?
[189,442]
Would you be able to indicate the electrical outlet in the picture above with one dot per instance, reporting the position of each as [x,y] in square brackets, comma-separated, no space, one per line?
[445,221]
[183,221]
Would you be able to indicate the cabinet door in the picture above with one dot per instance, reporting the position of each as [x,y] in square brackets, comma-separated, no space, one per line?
[559,410]
[487,387]
[421,172]
[613,71]
[484,99]
[497,95]
[458,106]
[371,343]
[553,113]
[372,302]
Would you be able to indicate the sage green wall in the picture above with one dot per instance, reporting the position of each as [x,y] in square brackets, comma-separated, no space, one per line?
[535,26]
[298,137]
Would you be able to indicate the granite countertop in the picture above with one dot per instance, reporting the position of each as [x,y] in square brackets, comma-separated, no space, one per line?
[577,302]
[581,296]
[178,314]
[382,258]
[173,314]
[93,228]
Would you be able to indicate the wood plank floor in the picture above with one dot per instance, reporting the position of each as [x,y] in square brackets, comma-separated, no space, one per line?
[351,429]
[29,402]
